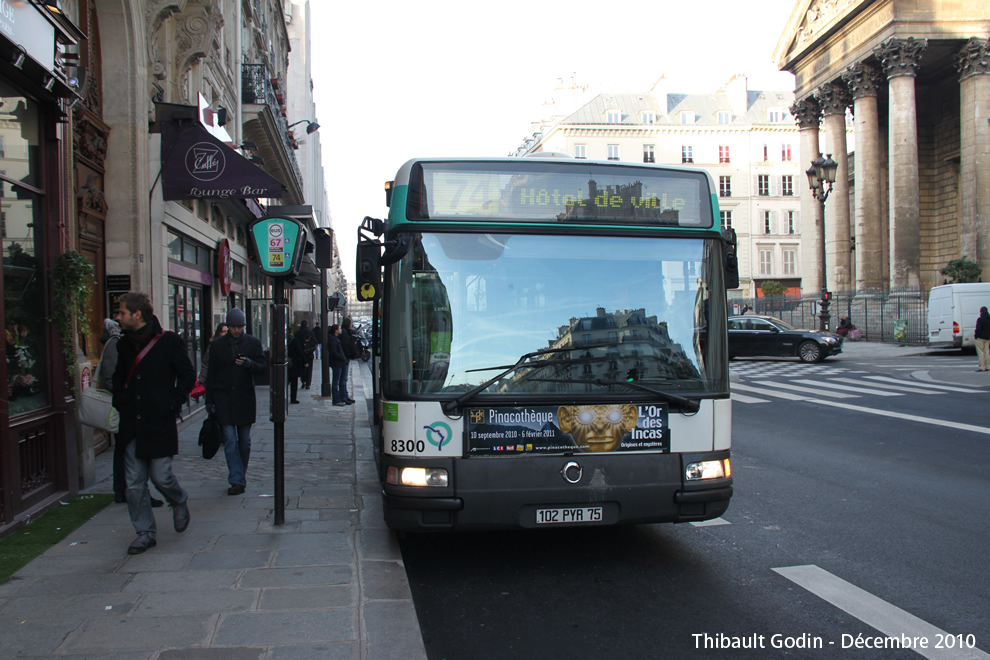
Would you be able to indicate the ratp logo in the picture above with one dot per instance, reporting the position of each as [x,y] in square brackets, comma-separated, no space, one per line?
[438,434]
[205,161]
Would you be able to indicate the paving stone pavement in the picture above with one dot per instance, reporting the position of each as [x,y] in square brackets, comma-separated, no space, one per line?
[329,583]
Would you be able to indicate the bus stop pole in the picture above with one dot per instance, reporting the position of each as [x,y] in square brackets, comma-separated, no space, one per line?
[277,400]
[324,324]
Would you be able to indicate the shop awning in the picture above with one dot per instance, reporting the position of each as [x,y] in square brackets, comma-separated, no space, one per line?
[196,165]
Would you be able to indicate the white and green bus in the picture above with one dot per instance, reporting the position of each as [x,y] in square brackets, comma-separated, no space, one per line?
[551,347]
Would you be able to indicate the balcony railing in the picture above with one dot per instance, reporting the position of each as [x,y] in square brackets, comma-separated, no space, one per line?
[257,88]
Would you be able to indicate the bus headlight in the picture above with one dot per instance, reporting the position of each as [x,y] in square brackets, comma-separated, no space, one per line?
[411,476]
[708,470]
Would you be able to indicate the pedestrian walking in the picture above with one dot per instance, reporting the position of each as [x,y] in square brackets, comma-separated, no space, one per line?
[308,342]
[151,382]
[338,362]
[318,333]
[982,337]
[235,359]
[352,351]
[297,362]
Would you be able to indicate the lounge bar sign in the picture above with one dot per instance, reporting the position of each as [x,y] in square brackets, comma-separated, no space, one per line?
[278,243]
[196,165]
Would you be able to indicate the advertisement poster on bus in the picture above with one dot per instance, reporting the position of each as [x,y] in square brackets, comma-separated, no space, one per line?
[597,428]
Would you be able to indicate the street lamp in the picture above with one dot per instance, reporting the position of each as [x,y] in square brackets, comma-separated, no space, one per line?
[821,172]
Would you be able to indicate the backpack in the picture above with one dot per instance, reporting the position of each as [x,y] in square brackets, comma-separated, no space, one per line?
[309,342]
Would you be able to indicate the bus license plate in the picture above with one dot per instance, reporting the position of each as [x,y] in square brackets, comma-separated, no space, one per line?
[569,515]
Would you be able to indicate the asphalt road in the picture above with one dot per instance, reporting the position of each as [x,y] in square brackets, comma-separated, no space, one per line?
[854,520]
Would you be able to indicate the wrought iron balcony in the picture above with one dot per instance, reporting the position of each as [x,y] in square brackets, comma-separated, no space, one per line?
[266,125]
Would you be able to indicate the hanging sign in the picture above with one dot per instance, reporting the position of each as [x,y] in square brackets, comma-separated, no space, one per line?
[279,244]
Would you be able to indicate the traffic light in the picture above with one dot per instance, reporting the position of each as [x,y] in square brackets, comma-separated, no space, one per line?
[323,237]
[827,296]
[369,271]
[632,375]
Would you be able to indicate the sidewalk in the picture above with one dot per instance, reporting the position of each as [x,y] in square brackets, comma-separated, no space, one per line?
[327,584]
[940,367]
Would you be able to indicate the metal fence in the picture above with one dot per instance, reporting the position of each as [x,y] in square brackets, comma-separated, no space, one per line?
[876,313]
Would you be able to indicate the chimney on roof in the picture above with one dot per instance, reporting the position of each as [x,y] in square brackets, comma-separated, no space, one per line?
[738,94]
[660,90]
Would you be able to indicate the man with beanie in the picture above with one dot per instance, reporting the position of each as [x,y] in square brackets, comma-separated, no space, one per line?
[235,359]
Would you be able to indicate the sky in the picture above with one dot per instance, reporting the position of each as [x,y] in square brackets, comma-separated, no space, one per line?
[398,80]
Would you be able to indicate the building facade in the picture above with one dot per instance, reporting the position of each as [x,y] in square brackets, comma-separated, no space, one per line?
[745,138]
[142,97]
[914,194]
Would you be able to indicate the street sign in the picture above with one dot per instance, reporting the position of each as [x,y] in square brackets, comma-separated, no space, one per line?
[278,243]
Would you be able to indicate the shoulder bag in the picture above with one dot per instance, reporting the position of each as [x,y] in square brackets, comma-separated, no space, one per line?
[95,407]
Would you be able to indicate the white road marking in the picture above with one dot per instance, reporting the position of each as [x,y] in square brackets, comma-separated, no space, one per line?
[809,390]
[911,418]
[890,620]
[913,390]
[846,388]
[742,398]
[709,523]
[759,390]
[947,388]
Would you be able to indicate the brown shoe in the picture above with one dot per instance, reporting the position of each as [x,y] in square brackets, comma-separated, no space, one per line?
[236,489]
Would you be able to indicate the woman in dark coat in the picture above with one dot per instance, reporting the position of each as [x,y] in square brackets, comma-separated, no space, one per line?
[298,360]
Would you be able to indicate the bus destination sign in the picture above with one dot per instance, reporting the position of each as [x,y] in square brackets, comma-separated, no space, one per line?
[571,428]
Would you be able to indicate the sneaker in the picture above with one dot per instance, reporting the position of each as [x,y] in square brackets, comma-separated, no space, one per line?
[235,489]
[180,516]
[155,504]
[141,543]
[340,404]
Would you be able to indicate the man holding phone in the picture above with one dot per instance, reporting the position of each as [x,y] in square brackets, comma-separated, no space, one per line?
[235,359]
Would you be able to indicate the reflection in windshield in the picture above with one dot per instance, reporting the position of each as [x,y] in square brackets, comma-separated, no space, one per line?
[464,306]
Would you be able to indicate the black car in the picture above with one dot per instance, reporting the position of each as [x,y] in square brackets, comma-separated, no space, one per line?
[751,336]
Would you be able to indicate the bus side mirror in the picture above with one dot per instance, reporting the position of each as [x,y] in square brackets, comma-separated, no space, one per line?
[369,271]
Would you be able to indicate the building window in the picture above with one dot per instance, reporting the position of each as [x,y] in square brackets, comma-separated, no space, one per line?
[580,151]
[648,155]
[766,262]
[790,261]
[767,223]
[613,152]
[763,185]
[785,153]
[766,153]
[723,153]
[614,116]
[776,116]
[648,117]
[725,186]
[724,116]
[791,222]
[726,217]
[787,185]
[687,117]
[687,154]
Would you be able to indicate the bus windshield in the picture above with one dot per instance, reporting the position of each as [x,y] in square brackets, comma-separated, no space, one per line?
[629,309]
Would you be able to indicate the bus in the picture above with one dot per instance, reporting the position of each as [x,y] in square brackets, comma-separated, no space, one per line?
[550,344]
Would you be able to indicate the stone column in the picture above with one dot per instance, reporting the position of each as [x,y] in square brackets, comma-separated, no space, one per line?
[869,225]
[834,98]
[807,112]
[900,58]
[973,64]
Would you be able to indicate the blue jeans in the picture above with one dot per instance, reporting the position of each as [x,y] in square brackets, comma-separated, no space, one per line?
[336,375]
[237,449]
[138,471]
[345,372]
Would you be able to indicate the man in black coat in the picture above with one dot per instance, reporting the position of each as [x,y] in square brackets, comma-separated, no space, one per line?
[152,380]
[235,359]
[308,342]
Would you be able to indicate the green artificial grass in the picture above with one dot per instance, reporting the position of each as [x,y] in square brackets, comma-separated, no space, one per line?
[28,542]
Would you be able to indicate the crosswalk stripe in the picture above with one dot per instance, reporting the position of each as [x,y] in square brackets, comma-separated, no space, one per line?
[847,388]
[758,390]
[910,418]
[947,388]
[809,390]
[742,398]
[913,390]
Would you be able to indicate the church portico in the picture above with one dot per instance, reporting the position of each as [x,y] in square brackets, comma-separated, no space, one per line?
[915,78]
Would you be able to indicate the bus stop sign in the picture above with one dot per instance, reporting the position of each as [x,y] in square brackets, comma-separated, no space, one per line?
[279,244]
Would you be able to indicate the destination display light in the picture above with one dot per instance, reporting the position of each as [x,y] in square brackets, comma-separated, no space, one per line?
[279,244]
[559,192]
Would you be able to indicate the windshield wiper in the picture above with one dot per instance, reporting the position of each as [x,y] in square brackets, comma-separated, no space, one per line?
[454,405]
[691,405]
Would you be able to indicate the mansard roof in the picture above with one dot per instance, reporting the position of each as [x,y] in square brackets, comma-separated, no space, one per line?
[668,108]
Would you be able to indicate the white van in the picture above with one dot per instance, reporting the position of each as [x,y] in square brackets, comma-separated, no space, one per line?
[952,313]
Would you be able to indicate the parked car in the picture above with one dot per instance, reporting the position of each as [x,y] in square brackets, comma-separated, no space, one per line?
[751,336]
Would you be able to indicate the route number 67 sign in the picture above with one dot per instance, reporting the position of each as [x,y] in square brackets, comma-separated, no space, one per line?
[279,244]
